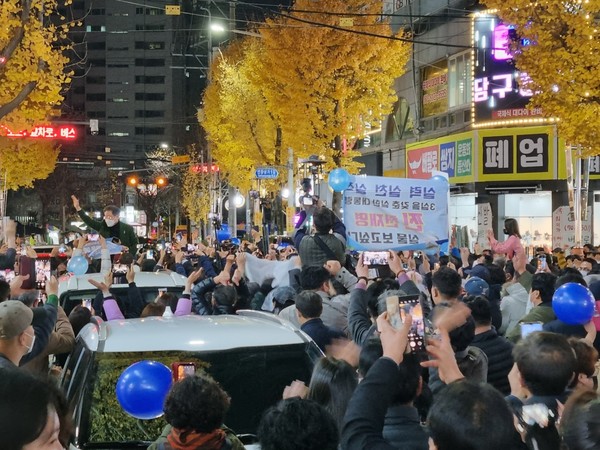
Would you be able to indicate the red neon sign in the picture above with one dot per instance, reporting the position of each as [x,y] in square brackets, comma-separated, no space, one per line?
[41,132]
[204,168]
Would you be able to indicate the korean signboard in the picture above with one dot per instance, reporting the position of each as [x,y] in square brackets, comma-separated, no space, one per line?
[500,93]
[527,153]
[434,89]
[484,223]
[563,228]
[451,154]
[42,132]
[522,153]
[383,213]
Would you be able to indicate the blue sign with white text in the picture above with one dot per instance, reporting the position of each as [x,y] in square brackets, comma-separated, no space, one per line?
[263,173]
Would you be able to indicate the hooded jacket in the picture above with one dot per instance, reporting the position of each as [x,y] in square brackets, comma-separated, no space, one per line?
[513,307]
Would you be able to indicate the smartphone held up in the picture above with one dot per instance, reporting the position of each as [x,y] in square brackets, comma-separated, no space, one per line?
[398,308]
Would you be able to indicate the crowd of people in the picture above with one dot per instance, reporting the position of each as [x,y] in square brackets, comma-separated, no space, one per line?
[481,380]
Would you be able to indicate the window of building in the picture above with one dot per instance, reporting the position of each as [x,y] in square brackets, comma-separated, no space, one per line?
[118,100]
[99,97]
[118,82]
[150,79]
[90,28]
[149,62]
[149,96]
[145,27]
[118,49]
[149,113]
[96,45]
[118,133]
[459,80]
[142,45]
[118,117]
[96,114]
[149,130]
[118,66]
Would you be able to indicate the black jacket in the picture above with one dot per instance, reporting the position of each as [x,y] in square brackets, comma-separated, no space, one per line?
[321,333]
[403,428]
[500,361]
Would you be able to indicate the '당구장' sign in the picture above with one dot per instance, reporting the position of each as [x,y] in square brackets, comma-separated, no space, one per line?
[382,213]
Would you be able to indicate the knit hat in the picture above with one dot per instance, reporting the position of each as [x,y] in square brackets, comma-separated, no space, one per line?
[15,317]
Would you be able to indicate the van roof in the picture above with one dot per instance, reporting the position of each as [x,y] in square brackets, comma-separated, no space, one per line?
[191,333]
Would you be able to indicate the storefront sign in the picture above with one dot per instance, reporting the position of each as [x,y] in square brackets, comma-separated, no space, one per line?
[383,213]
[451,154]
[434,88]
[521,153]
[500,94]
[42,132]
[563,228]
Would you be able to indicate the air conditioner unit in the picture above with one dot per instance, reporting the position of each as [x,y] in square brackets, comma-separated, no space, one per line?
[520,189]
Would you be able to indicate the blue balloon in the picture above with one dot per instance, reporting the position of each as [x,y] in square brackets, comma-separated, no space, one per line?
[439,179]
[573,304]
[235,241]
[142,388]
[78,265]
[339,179]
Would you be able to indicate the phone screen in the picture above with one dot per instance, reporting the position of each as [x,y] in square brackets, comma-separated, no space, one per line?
[120,268]
[9,275]
[530,327]
[92,236]
[87,303]
[42,272]
[183,369]
[307,201]
[416,337]
[150,254]
[375,258]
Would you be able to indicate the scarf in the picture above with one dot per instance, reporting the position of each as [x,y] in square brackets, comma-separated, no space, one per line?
[190,440]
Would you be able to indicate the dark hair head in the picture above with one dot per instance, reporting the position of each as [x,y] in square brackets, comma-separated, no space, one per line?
[546,362]
[496,274]
[586,357]
[4,290]
[331,385]
[461,337]
[309,304]
[168,299]
[147,265]
[126,259]
[467,415]
[512,227]
[225,295]
[313,277]
[580,421]
[480,310]
[153,309]
[26,404]
[114,210]
[196,403]
[323,219]
[297,424]
[448,282]
[370,352]
[79,317]
[375,289]
[544,284]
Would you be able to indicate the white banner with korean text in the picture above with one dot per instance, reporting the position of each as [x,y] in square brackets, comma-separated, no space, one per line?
[382,213]
[484,223]
[563,228]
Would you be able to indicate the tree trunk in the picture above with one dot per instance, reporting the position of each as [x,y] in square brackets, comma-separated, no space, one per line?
[336,202]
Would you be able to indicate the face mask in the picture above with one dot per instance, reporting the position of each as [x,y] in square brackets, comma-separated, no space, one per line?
[583,272]
[110,222]
[505,231]
[30,348]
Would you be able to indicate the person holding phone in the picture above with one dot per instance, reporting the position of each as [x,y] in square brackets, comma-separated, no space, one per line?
[111,226]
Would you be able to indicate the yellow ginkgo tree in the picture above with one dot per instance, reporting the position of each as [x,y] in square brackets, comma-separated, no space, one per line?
[562,60]
[311,82]
[32,61]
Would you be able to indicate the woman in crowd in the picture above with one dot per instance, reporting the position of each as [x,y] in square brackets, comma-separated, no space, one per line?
[512,246]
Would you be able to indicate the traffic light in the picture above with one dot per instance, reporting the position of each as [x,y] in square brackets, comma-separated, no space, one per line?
[161,181]
[132,181]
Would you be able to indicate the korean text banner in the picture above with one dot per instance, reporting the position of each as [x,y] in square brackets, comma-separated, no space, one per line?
[382,213]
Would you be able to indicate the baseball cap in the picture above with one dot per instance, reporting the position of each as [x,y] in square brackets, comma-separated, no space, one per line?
[479,271]
[476,286]
[15,317]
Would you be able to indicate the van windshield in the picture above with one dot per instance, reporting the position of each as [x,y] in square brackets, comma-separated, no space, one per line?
[254,378]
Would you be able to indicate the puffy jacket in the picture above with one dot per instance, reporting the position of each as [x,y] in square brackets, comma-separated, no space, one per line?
[513,307]
[500,361]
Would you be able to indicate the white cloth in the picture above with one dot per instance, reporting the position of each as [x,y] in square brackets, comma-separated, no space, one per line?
[258,270]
